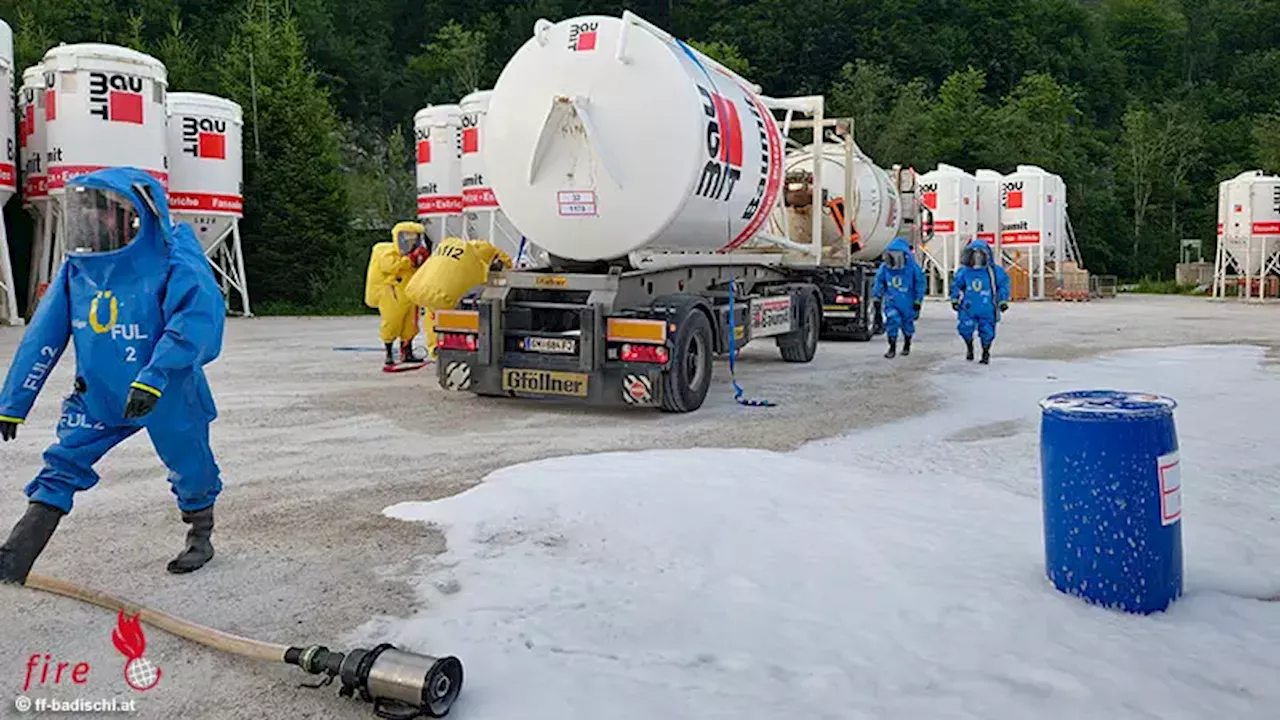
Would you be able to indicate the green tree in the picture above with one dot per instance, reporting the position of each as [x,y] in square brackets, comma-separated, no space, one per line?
[1266,133]
[726,54]
[454,64]
[296,212]
[961,124]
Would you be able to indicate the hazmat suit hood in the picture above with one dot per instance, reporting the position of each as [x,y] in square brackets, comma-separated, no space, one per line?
[900,244]
[981,246]
[149,250]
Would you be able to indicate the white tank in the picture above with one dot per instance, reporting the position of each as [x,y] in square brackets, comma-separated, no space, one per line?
[951,194]
[596,157]
[483,218]
[1252,214]
[31,135]
[107,109]
[206,163]
[1032,208]
[9,163]
[877,203]
[988,200]
[438,151]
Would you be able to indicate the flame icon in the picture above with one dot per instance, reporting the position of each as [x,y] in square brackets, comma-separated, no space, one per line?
[139,673]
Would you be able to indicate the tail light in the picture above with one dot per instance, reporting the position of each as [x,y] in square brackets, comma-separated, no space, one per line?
[456,341]
[644,353]
[847,300]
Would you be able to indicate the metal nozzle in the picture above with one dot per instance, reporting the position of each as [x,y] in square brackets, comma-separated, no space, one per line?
[400,684]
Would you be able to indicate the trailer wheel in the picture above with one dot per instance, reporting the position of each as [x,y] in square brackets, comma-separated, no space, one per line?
[800,345]
[686,381]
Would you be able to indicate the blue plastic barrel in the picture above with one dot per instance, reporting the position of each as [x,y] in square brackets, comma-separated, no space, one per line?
[1111,487]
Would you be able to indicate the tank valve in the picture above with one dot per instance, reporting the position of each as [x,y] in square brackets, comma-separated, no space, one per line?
[401,685]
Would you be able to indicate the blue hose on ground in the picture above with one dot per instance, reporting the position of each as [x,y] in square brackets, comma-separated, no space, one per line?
[733,355]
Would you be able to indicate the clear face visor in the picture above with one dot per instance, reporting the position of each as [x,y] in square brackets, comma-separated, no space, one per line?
[896,259]
[409,241]
[99,221]
[975,258]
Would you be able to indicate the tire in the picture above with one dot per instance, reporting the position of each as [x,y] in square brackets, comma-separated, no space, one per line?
[686,382]
[800,345]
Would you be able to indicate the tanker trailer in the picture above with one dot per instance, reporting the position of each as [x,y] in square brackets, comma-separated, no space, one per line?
[648,172]
[852,241]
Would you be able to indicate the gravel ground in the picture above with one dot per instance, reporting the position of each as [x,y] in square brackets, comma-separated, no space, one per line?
[314,443]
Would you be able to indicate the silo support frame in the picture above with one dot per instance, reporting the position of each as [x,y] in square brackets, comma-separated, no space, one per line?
[9,312]
[226,256]
[1225,263]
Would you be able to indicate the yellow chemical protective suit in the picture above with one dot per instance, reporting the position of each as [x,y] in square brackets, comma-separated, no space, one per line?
[455,267]
[392,265]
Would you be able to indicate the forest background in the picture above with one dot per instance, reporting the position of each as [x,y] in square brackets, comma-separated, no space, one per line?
[1142,106]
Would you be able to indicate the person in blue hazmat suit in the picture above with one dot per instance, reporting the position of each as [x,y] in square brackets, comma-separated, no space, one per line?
[139,301]
[979,295]
[899,288]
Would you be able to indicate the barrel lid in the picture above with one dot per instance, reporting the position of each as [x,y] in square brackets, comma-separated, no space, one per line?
[1108,404]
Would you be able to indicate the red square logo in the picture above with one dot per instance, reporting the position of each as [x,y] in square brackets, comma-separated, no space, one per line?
[424,152]
[1013,200]
[586,41]
[470,141]
[50,105]
[125,107]
[213,146]
[931,200]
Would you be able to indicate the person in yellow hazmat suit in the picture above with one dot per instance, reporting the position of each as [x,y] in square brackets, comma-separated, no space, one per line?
[391,267]
[454,267]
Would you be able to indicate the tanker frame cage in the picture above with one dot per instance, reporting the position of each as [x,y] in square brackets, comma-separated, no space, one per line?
[644,335]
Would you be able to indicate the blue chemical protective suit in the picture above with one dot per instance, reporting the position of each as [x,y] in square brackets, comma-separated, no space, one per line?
[980,292]
[902,290]
[147,316]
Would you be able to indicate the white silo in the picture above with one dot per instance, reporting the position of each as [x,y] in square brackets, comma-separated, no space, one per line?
[950,194]
[9,314]
[35,178]
[988,200]
[438,151]
[104,107]
[1249,232]
[1033,224]
[483,218]
[206,178]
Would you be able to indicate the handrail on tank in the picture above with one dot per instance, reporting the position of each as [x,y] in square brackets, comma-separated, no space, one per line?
[629,18]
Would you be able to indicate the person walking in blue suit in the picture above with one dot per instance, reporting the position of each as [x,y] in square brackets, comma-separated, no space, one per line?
[139,301]
[979,295]
[899,287]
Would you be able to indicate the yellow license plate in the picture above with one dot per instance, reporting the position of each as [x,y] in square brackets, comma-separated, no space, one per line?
[544,382]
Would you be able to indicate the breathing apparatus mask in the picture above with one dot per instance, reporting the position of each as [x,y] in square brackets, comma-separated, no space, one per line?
[99,220]
[895,259]
[408,241]
[974,258]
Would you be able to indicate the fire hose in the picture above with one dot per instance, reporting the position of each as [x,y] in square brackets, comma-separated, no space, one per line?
[401,685]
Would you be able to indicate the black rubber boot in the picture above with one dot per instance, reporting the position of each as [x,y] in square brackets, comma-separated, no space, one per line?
[406,353]
[893,348]
[968,354]
[391,358]
[986,355]
[906,345]
[199,549]
[27,541]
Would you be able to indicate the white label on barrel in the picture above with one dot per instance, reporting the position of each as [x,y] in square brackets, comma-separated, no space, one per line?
[1170,470]
[576,203]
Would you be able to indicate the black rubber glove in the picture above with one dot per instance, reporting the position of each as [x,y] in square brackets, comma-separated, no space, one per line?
[8,430]
[916,307]
[955,305]
[139,403]
[1004,306]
